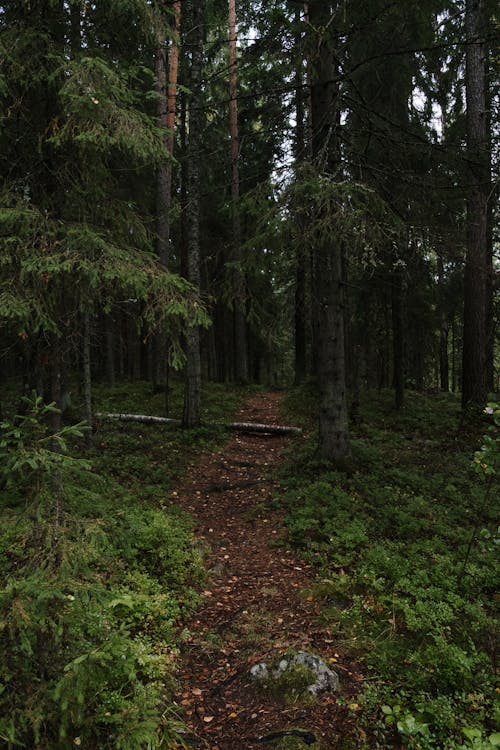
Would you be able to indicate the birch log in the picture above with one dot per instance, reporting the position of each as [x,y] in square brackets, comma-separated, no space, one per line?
[237,426]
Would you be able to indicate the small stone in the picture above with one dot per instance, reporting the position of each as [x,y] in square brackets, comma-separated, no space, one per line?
[326,679]
[260,671]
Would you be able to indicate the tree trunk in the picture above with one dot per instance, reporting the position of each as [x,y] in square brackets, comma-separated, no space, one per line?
[444,365]
[240,332]
[333,420]
[109,350]
[87,378]
[55,382]
[192,390]
[491,196]
[397,337]
[453,356]
[300,316]
[474,334]
[167,89]
[300,309]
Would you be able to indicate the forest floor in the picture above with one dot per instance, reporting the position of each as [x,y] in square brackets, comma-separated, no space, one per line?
[256,606]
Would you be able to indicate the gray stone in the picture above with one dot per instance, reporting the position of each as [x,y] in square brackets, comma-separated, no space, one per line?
[260,672]
[326,679]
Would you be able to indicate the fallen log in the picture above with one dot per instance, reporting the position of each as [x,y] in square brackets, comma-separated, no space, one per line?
[272,429]
[143,418]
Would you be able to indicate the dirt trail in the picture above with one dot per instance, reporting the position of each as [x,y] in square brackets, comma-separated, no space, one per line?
[256,603]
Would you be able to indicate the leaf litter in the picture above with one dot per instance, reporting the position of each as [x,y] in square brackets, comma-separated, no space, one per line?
[254,608]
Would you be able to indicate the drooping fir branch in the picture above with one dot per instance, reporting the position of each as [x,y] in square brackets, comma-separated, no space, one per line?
[42,259]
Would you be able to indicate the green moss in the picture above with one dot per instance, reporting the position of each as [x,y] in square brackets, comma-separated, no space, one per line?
[293,743]
[291,686]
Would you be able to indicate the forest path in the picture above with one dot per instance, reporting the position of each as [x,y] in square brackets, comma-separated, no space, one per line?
[257,602]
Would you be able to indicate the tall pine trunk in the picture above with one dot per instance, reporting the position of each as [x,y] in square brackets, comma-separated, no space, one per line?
[240,332]
[301,311]
[397,336]
[331,369]
[167,90]
[192,389]
[87,377]
[444,365]
[474,334]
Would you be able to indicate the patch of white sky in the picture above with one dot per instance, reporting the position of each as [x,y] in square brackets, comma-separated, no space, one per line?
[283,172]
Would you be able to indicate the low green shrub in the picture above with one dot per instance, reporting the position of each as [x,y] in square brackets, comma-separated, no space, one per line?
[96,576]
[405,546]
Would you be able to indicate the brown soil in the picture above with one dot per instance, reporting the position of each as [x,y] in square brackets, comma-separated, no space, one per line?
[257,603]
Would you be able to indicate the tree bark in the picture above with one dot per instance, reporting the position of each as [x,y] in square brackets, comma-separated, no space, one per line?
[397,337]
[444,364]
[87,378]
[55,382]
[167,90]
[301,308]
[239,295]
[333,419]
[109,354]
[474,334]
[192,390]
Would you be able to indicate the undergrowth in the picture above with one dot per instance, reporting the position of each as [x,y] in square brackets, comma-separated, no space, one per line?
[406,550]
[97,570]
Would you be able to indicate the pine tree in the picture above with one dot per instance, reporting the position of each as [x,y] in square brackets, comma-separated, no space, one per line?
[192,391]
[327,275]
[474,345]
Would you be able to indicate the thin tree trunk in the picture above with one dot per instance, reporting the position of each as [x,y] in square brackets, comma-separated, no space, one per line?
[183,240]
[309,76]
[300,310]
[192,390]
[240,332]
[453,356]
[167,90]
[492,194]
[397,337]
[55,382]
[87,378]
[300,316]
[444,365]
[109,350]
[474,335]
